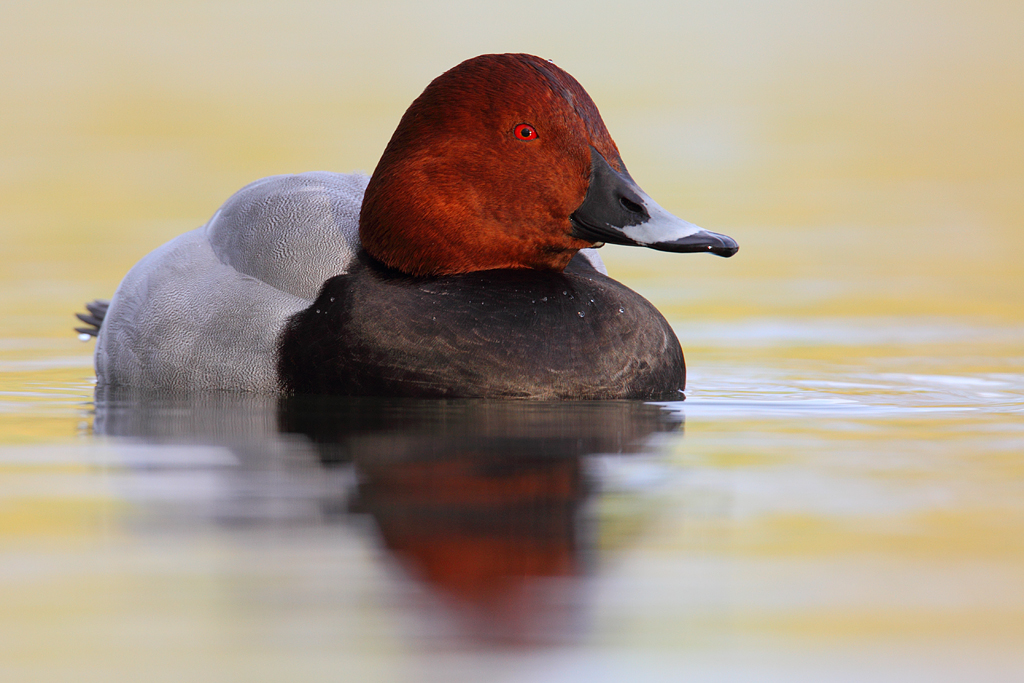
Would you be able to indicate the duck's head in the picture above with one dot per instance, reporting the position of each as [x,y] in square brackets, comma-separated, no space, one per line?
[504,162]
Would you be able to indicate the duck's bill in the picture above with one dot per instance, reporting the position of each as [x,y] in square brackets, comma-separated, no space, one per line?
[617,211]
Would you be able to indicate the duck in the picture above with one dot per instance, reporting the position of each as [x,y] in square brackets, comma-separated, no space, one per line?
[464,266]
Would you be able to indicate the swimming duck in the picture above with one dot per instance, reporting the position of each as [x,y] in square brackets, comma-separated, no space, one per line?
[463,267]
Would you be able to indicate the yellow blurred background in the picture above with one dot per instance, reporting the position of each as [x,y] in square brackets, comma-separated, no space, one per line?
[868,156]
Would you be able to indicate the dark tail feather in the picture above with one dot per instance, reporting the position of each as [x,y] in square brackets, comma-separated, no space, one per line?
[94,319]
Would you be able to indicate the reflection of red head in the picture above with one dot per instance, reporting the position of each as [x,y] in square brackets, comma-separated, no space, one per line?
[482,502]
[480,529]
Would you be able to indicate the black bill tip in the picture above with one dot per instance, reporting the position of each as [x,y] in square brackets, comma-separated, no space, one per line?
[711,242]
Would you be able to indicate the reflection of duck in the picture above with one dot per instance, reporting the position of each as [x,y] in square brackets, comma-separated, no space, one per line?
[481,529]
[469,285]
[486,504]
[481,500]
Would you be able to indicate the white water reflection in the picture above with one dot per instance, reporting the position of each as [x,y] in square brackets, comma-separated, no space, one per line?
[850,331]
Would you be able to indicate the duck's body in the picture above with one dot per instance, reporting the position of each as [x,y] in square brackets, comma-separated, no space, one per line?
[462,268]
[206,310]
[506,333]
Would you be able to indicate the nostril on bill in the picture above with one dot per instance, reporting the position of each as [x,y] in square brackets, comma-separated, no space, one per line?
[631,206]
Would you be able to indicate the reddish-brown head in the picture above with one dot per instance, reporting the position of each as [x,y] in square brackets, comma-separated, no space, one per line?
[485,169]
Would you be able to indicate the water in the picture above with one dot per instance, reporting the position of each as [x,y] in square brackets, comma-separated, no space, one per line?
[791,520]
[840,497]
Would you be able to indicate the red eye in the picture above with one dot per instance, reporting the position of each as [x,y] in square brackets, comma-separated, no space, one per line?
[525,131]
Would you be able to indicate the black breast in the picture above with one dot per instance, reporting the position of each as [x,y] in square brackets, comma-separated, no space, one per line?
[496,334]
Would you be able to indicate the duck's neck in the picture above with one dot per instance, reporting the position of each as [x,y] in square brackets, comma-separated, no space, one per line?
[447,235]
